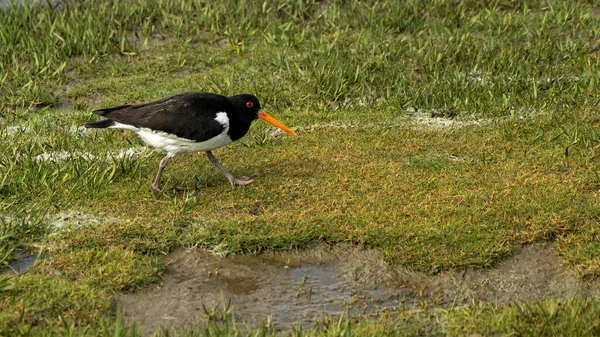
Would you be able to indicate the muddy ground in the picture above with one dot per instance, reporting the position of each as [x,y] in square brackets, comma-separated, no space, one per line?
[287,288]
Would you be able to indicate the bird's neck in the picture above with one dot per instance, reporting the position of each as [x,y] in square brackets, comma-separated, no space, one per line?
[237,127]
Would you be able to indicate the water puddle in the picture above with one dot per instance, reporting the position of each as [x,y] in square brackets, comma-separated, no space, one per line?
[23,263]
[290,288]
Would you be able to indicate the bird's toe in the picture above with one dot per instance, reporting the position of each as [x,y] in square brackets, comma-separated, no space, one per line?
[243,181]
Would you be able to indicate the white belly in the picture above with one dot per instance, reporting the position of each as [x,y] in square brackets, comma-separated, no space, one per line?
[173,145]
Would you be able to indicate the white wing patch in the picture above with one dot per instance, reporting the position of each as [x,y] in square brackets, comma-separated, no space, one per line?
[173,145]
[223,119]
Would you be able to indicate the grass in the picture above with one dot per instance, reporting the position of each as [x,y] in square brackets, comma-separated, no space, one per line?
[573,318]
[344,74]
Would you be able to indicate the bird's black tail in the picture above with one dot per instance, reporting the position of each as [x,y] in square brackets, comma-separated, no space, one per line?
[103,124]
[105,112]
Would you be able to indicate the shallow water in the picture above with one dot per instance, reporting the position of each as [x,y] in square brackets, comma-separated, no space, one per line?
[285,288]
[21,264]
[302,287]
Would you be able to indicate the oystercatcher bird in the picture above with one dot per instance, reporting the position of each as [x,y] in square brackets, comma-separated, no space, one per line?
[189,122]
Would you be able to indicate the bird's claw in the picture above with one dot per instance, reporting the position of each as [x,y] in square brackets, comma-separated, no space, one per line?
[240,181]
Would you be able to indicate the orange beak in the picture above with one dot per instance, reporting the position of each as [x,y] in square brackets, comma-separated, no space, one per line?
[270,119]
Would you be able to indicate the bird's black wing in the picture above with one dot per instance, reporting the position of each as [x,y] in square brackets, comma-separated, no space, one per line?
[189,115]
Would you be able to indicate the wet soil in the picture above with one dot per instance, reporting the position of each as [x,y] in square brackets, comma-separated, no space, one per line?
[288,288]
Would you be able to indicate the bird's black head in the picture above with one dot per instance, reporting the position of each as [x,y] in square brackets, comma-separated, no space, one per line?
[248,108]
[246,105]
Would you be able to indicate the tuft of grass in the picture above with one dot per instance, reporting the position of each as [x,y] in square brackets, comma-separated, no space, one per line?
[21,230]
[37,303]
[549,318]
[111,268]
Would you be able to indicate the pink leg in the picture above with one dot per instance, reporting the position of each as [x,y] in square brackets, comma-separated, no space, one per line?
[232,180]
[161,168]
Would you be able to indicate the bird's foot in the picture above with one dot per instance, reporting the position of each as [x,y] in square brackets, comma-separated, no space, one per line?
[156,187]
[240,181]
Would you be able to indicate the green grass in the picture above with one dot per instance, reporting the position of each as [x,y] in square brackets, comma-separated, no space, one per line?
[432,199]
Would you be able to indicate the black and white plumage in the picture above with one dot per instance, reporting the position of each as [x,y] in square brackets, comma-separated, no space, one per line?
[189,122]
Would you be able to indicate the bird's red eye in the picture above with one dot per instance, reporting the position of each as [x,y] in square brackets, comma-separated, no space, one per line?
[249,104]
